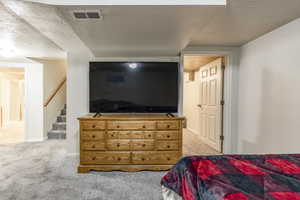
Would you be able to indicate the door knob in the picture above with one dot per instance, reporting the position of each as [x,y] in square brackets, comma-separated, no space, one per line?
[199,105]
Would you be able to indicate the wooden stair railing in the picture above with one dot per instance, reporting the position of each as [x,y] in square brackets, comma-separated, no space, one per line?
[55,92]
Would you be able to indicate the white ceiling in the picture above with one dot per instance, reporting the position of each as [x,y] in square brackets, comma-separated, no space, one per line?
[131,2]
[165,30]
[20,39]
[44,31]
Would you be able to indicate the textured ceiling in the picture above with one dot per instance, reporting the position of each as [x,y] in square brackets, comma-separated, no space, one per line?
[166,30]
[131,2]
[43,31]
[20,39]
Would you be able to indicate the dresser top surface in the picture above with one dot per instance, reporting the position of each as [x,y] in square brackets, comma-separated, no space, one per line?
[131,117]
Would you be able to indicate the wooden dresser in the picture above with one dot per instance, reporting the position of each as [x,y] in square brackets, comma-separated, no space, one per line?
[130,142]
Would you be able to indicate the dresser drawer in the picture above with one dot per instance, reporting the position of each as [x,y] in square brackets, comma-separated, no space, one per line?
[168,125]
[131,125]
[142,145]
[93,146]
[118,135]
[167,135]
[118,145]
[90,158]
[167,145]
[124,134]
[92,135]
[142,134]
[154,157]
[92,125]
[112,135]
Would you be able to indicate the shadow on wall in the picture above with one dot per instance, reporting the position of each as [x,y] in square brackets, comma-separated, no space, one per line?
[277,122]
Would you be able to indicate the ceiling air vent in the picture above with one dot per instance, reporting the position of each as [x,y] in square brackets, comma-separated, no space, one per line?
[93,15]
[83,15]
[80,15]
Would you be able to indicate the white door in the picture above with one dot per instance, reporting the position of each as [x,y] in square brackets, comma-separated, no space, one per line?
[210,105]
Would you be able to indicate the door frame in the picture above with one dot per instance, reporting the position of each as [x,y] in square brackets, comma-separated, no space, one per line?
[230,90]
[33,107]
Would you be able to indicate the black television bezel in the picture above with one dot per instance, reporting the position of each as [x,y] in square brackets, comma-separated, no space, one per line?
[178,86]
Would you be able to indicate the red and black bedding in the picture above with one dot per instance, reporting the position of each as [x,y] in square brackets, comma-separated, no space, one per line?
[235,177]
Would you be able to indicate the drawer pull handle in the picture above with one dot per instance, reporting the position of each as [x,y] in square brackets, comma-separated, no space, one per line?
[112,135]
[143,159]
[144,126]
[93,146]
[168,159]
[94,126]
[118,145]
[93,136]
[118,126]
[168,136]
[94,158]
[149,135]
[144,145]
[119,159]
[168,146]
[168,126]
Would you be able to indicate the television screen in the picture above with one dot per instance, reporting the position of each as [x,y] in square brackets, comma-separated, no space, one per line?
[127,87]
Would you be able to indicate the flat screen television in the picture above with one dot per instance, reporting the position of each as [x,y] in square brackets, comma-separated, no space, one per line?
[133,87]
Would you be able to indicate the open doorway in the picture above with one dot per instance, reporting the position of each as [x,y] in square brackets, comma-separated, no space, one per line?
[203,104]
[11,105]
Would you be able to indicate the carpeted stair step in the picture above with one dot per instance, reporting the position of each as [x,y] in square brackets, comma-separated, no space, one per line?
[58,130]
[63,111]
[61,118]
[57,134]
[59,126]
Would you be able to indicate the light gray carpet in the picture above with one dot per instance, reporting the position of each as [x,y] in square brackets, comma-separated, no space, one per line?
[41,171]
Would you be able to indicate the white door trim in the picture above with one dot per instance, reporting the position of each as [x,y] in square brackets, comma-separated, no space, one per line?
[230,90]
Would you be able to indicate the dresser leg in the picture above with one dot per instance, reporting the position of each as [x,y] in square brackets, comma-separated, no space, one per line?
[83,170]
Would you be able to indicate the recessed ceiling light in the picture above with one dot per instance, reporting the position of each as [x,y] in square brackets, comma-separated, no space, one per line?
[7,48]
[6,53]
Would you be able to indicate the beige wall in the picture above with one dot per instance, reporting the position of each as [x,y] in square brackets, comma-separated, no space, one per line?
[54,74]
[269,93]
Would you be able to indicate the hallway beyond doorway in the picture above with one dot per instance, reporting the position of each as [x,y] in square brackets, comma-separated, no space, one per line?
[192,145]
[12,133]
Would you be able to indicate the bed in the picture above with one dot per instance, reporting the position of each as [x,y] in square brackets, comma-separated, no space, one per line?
[234,177]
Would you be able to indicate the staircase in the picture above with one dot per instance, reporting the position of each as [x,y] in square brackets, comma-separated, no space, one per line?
[58,130]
